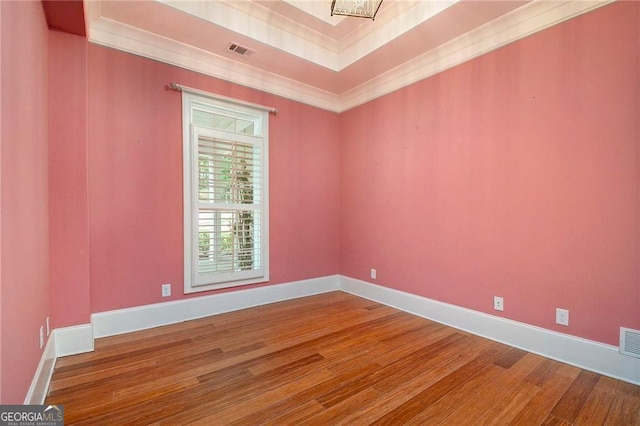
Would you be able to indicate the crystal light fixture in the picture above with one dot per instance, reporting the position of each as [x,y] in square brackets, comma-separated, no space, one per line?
[358,8]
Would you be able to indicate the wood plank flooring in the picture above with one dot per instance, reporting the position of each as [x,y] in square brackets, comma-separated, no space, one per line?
[328,359]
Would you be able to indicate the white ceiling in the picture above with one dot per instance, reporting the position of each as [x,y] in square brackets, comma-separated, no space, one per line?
[302,52]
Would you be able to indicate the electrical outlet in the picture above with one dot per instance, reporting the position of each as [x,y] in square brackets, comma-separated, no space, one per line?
[498,303]
[373,274]
[48,328]
[562,316]
[166,290]
[41,336]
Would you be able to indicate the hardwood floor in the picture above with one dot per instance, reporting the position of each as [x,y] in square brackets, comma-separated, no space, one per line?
[328,359]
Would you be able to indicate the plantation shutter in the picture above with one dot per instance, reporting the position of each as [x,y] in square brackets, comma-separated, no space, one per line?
[228,197]
[229,222]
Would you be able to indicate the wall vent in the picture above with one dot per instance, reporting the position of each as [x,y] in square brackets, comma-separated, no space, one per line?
[630,342]
[239,49]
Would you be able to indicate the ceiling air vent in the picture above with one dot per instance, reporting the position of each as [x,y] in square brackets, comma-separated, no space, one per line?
[239,49]
[630,342]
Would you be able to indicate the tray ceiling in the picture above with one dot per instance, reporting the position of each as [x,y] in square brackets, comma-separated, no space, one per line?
[298,50]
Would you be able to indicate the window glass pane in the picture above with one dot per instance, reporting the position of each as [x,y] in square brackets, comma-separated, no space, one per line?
[218,121]
[228,172]
[203,119]
[244,126]
[228,241]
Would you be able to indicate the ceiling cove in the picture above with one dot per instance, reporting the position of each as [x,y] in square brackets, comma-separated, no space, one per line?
[299,51]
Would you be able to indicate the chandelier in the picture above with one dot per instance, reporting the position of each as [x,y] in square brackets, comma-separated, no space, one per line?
[358,8]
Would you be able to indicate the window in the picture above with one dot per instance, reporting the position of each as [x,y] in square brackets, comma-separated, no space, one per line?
[225,193]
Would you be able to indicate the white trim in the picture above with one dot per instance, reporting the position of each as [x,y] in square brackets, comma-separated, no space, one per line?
[194,280]
[73,340]
[80,339]
[319,46]
[586,354]
[318,10]
[521,22]
[62,341]
[40,384]
[258,23]
[368,39]
[118,36]
[143,317]
[589,355]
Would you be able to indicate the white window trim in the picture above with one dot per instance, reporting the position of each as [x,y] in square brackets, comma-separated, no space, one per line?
[190,200]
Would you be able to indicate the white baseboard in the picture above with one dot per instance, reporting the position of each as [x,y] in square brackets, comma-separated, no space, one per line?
[586,354]
[582,353]
[149,316]
[73,340]
[40,384]
[79,339]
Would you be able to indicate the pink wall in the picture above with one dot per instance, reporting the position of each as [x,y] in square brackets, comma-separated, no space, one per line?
[68,204]
[24,283]
[515,174]
[637,91]
[1,322]
[135,181]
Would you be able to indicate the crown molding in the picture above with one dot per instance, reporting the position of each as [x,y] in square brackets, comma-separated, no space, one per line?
[122,37]
[275,30]
[288,35]
[390,26]
[278,31]
[524,21]
[318,10]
